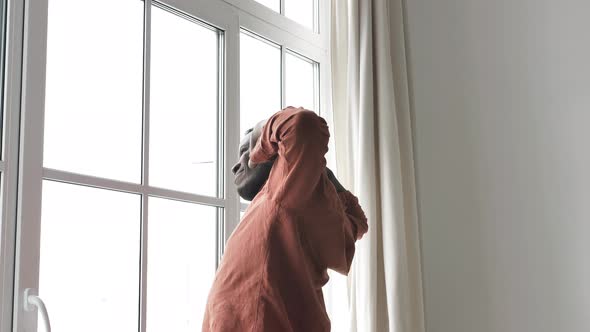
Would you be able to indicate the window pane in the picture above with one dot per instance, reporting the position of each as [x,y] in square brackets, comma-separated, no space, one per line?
[301,11]
[93,101]
[181,264]
[89,263]
[299,82]
[260,81]
[272,4]
[183,108]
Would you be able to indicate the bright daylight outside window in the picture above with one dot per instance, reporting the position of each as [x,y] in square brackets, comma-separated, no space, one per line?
[301,11]
[140,128]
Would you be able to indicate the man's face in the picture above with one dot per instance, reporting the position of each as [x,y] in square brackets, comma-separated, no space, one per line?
[248,180]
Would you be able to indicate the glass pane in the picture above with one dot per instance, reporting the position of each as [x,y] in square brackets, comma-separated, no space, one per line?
[299,82]
[89,263]
[272,4]
[301,11]
[183,107]
[181,264]
[260,80]
[93,100]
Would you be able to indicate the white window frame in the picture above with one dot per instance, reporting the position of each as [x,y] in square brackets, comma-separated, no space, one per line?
[24,108]
[11,107]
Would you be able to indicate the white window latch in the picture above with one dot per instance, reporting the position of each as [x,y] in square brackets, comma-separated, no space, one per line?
[32,301]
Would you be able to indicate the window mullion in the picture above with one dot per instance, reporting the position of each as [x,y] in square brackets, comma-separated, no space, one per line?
[316,16]
[316,88]
[283,77]
[221,142]
[147,24]
[231,111]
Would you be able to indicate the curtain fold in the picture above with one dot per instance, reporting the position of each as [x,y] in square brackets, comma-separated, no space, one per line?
[374,157]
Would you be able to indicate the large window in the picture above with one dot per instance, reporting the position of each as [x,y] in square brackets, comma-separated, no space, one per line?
[132,116]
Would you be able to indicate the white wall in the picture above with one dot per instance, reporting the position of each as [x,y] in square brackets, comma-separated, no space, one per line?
[501,99]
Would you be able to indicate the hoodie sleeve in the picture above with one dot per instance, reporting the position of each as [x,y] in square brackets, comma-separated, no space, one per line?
[337,249]
[300,138]
[333,221]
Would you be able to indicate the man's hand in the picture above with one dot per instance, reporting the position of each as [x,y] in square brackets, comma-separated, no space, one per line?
[332,177]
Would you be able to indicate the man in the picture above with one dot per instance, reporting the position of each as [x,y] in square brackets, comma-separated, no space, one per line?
[301,221]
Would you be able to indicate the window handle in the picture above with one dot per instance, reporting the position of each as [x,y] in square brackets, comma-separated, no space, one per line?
[31,301]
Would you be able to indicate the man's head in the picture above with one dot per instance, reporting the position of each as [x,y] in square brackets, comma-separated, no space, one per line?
[249,180]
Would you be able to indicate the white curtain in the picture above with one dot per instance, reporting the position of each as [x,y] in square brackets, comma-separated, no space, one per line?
[374,157]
